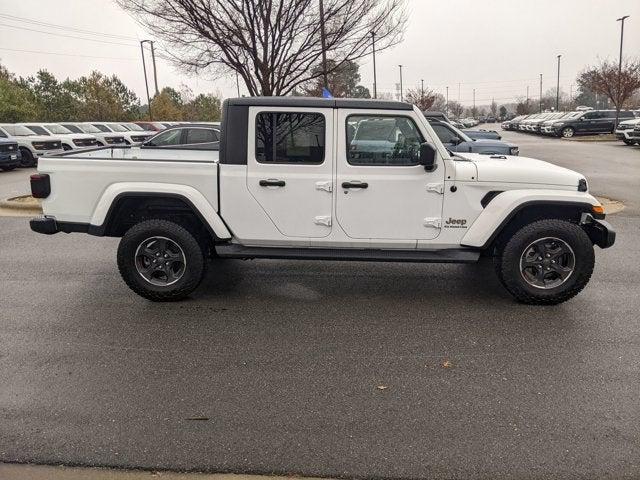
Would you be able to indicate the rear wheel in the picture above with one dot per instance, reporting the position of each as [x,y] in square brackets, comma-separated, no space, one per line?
[161,260]
[568,132]
[546,262]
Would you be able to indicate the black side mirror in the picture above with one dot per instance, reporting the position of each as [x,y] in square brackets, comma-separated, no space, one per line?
[455,141]
[428,157]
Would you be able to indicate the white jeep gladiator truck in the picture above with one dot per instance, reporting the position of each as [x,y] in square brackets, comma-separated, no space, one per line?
[290,182]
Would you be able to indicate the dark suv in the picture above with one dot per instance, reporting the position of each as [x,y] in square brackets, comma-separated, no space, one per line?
[589,123]
[10,156]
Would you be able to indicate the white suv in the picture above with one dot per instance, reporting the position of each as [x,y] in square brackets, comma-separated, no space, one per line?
[31,146]
[625,133]
[103,138]
[133,138]
[70,140]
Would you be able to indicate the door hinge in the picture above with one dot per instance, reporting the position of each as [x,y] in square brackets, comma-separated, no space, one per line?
[323,220]
[433,222]
[326,186]
[435,187]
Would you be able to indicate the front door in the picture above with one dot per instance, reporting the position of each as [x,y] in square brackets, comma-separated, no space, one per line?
[381,190]
[290,169]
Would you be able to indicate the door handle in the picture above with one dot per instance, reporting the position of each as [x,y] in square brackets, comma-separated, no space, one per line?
[355,185]
[272,182]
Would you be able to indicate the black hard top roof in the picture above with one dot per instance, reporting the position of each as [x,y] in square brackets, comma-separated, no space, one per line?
[315,102]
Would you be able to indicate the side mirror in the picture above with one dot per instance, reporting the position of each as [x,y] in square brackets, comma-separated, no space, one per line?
[427,157]
[455,141]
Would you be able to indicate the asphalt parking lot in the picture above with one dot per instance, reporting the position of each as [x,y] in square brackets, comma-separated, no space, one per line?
[325,368]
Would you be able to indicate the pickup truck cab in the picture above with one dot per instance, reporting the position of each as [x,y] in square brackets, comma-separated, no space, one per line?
[31,146]
[291,182]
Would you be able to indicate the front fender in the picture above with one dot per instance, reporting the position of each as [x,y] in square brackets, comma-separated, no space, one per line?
[193,196]
[507,204]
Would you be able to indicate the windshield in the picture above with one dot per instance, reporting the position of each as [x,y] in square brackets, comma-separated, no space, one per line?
[71,127]
[89,129]
[133,127]
[58,129]
[116,127]
[38,130]
[102,128]
[461,134]
[18,130]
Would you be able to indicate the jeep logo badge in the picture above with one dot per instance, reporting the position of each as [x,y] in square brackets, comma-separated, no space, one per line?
[455,223]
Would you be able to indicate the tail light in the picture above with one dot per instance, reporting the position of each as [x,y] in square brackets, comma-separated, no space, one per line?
[40,185]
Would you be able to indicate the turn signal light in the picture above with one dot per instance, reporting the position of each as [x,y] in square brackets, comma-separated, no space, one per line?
[598,209]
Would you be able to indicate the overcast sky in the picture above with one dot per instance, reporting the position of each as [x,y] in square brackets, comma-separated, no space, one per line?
[498,47]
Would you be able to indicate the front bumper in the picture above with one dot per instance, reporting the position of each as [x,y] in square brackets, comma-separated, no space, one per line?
[600,232]
[42,153]
[10,160]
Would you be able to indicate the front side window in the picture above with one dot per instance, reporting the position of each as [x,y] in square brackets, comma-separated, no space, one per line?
[165,139]
[382,140]
[290,137]
[445,134]
[201,135]
[116,127]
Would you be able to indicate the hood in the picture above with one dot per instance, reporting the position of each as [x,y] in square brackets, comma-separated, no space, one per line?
[633,121]
[516,169]
[38,138]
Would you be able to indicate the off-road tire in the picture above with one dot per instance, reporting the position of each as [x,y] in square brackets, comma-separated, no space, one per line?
[27,159]
[507,263]
[567,132]
[195,261]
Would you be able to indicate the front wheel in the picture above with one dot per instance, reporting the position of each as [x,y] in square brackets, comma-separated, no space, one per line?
[628,142]
[27,158]
[568,132]
[546,262]
[161,260]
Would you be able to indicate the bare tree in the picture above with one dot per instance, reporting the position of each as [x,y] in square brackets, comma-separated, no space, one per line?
[422,98]
[274,45]
[605,80]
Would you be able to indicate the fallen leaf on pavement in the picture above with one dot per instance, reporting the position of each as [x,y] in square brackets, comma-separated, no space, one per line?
[382,387]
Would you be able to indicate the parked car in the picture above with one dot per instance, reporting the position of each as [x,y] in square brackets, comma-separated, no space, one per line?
[457,141]
[635,134]
[152,126]
[482,133]
[510,124]
[546,127]
[138,131]
[31,146]
[131,138]
[103,137]
[491,119]
[625,131]
[70,140]
[10,156]
[589,123]
[190,137]
[288,184]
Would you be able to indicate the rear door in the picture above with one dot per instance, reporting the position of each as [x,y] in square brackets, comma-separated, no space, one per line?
[290,168]
[382,193]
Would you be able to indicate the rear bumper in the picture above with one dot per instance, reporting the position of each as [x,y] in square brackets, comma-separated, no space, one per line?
[49,226]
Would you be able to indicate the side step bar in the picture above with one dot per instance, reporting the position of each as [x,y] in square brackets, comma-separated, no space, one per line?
[452,255]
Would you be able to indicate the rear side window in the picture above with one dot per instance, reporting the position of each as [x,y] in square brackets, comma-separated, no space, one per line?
[382,140]
[201,135]
[172,137]
[626,114]
[283,137]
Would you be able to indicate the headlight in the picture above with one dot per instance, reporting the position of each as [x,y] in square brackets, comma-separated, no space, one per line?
[38,145]
[514,151]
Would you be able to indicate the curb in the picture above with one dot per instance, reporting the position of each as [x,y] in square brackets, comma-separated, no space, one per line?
[14,204]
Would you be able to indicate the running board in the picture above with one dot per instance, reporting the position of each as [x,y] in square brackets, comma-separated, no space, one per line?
[452,255]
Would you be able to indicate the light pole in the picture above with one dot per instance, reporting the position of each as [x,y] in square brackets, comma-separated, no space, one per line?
[618,106]
[155,72]
[540,93]
[422,87]
[558,86]
[446,108]
[401,95]
[375,83]
[146,84]
[238,84]
[324,47]
[474,103]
